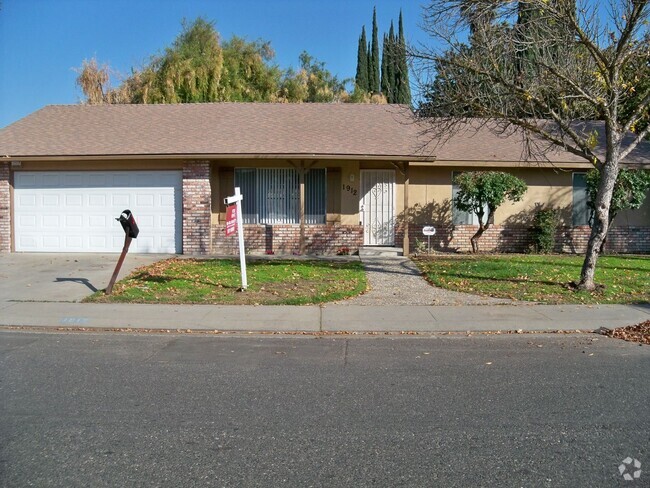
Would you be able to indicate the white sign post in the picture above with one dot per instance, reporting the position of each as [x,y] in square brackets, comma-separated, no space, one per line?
[237,199]
[429,230]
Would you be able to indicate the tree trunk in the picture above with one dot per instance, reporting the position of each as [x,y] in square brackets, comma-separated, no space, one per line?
[474,239]
[608,175]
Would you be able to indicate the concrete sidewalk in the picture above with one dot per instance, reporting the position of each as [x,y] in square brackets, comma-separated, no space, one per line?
[423,319]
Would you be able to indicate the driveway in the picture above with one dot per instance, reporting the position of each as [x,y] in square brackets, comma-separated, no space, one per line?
[51,277]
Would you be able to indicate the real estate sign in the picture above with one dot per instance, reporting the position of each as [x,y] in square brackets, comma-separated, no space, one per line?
[231,220]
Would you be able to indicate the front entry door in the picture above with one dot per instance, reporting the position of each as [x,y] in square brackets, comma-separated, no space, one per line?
[377,207]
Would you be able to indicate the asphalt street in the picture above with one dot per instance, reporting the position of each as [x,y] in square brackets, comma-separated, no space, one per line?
[101,409]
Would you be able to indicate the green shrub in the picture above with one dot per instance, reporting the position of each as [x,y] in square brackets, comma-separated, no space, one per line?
[544,227]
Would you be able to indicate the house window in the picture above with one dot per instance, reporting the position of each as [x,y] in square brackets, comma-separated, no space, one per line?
[580,198]
[272,195]
[458,217]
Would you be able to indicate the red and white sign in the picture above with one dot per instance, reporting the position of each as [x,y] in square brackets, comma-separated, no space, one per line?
[231,219]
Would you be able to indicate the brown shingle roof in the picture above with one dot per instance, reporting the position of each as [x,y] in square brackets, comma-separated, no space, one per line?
[213,129]
[475,140]
[241,129]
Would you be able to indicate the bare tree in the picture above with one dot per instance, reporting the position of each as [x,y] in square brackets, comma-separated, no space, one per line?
[543,68]
[95,83]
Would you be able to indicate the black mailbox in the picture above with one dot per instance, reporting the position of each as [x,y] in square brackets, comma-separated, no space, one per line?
[128,224]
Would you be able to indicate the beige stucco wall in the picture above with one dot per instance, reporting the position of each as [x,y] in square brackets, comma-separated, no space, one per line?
[431,189]
[635,218]
[548,187]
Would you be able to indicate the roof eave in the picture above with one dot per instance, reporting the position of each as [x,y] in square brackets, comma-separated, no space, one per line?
[214,156]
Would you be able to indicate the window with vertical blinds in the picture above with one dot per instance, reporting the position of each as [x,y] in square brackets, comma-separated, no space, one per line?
[272,195]
[581,211]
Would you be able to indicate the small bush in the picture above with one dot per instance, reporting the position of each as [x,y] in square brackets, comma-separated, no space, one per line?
[544,226]
[420,246]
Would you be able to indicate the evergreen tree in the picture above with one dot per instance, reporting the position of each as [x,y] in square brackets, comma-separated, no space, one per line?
[370,71]
[386,80]
[392,67]
[403,87]
[361,79]
[374,77]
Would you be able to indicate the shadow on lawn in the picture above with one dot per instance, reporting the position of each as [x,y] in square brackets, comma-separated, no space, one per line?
[567,264]
[504,280]
[146,277]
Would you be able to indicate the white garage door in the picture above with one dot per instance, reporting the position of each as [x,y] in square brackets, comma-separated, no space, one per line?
[75,211]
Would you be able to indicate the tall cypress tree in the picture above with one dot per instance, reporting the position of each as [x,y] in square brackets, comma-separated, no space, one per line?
[374,56]
[386,79]
[361,80]
[403,86]
[370,70]
[392,68]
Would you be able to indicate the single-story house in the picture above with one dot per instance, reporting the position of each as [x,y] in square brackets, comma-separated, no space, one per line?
[316,178]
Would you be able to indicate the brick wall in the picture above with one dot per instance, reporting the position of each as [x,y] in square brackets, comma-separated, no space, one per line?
[5,211]
[620,240]
[519,239]
[285,239]
[196,207]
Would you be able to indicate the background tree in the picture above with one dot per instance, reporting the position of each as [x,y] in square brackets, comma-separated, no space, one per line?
[388,76]
[197,67]
[402,83]
[312,83]
[361,78]
[373,73]
[248,75]
[588,80]
[481,190]
[630,191]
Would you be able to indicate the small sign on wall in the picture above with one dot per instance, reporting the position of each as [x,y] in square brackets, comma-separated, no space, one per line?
[231,220]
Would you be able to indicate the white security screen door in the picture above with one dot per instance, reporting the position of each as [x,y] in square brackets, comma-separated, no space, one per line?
[377,207]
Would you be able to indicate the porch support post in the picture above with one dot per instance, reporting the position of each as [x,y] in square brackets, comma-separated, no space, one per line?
[406,247]
[301,173]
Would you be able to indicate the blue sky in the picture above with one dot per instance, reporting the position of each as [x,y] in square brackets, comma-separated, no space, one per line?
[41,41]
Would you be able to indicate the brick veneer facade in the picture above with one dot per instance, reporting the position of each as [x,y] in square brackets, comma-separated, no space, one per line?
[285,239]
[196,207]
[5,210]
[519,239]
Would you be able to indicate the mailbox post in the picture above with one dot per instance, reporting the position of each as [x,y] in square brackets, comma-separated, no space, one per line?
[429,230]
[131,231]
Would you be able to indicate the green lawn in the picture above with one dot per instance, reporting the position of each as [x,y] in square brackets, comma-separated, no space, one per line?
[216,281]
[540,278]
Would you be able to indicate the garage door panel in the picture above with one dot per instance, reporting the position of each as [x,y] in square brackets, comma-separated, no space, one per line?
[51,221]
[27,221]
[51,241]
[97,222]
[73,200]
[96,200]
[98,242]
[144,200]
[120,200]
[27,200]
[79,214]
